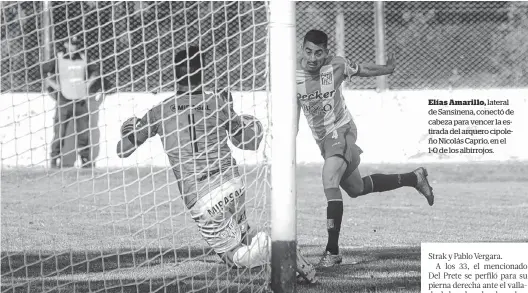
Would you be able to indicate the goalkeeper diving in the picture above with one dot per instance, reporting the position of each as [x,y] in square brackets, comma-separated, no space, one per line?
[194,128]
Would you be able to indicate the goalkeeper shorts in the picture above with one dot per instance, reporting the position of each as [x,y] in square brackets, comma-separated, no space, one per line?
[221,216]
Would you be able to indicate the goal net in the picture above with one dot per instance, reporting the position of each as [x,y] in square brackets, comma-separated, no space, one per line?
[121,226]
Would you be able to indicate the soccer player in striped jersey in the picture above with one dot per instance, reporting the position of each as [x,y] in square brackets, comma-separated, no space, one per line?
[194,128]
[319,80]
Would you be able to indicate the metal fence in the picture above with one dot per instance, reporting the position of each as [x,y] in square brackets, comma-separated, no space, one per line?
[133,43]
[439,45]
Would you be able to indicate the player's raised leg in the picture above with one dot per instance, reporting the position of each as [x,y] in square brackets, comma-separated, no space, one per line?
[356,186]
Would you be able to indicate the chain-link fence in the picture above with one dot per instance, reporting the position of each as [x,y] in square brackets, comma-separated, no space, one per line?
[439,45]
[21,42]
[133,43]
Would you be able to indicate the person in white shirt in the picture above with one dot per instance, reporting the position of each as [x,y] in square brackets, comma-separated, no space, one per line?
[74,88]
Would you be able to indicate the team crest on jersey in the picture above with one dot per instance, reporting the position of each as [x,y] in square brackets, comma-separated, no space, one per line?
[327,78]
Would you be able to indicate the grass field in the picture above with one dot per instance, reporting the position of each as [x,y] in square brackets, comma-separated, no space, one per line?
[127,231]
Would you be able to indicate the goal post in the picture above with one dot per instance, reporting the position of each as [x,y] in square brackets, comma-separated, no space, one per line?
[284,129]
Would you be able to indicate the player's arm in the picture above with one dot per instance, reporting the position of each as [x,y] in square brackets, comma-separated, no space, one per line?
[369,70]
[235,125]
[250,134]
[48,68]
[93,73]
[51,83]
[92,79]
[134,132]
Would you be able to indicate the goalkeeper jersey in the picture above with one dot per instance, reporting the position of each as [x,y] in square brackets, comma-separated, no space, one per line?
[194,132]
[320,95]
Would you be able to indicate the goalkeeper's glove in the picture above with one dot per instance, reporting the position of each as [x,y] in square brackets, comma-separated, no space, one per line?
[225,94]
[128,129]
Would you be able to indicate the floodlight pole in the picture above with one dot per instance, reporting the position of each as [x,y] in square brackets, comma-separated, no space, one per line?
[46,30]
[381,56]
[340,30]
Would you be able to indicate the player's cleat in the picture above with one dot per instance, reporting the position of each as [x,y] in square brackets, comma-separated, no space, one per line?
[305,270]
[306,277]
[329,260]
[423,186]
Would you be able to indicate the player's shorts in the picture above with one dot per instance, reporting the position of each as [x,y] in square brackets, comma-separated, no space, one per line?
[342,143]
[221,216]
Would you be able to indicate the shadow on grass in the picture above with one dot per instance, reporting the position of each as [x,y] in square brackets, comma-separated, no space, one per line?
[152,270]
[60,263]
[132,286]
[388,269]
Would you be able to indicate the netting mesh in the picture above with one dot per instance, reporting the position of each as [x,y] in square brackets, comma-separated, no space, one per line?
[133,42]
[122,226]
[440,45]
[21,42]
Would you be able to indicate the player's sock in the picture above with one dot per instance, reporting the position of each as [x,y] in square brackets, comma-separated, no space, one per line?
[386,182]
[334,216]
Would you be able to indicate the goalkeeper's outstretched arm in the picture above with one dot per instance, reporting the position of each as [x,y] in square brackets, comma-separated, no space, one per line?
[134,132]
[245,131]
[125,147]
[250,134]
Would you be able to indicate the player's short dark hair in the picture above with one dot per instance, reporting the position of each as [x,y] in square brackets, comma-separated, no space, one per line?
[317,37]
[188,62]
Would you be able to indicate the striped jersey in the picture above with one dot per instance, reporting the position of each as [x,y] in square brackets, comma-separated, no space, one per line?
[194,132]
[320,94]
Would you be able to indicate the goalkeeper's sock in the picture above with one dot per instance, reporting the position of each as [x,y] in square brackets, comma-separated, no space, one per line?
[386,182]
[334,216]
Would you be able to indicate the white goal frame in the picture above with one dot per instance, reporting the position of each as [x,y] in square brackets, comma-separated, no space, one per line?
[282,99]
[283,132]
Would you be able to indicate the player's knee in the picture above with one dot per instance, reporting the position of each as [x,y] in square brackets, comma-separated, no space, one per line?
[255,254]
[354,190]
[333,170]
[330,181]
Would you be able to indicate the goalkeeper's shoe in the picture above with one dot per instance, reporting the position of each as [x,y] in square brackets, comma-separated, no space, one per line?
[305,270]
[329,260]
[423,186]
